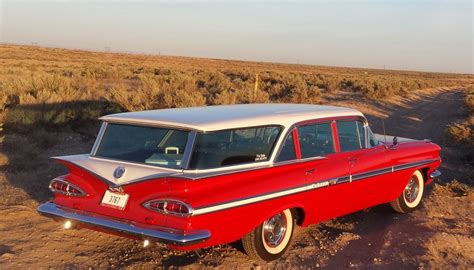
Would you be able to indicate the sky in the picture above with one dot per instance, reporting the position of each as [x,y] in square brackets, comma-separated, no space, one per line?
[425,35]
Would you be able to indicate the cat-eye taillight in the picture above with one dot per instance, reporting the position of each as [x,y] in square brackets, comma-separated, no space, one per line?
[170,207]
[61,186]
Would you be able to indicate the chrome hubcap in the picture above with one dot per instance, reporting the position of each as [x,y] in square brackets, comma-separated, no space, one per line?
[274,230]
[411,190]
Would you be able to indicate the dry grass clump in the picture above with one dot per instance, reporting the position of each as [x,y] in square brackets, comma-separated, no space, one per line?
[46,99]
[461,134]
[469,99]
[381,87]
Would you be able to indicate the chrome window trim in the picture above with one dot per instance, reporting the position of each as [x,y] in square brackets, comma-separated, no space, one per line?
[99,138]
[188,150]
[366,131]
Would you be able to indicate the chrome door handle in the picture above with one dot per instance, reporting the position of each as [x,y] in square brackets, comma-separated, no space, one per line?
[352,160]
[309,172]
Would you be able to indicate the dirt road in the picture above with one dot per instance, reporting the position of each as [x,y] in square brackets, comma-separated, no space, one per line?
[440,234]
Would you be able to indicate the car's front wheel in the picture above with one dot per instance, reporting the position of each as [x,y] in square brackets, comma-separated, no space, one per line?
[271,239]
[411,196]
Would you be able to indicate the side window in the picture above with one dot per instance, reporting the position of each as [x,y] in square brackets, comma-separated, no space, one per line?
[372,140]
[351,135]
[315,140]
[220,148]
[288,149]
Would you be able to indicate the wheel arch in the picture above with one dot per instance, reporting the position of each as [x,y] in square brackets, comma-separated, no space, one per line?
[298,214]
[297,211]
[424,173]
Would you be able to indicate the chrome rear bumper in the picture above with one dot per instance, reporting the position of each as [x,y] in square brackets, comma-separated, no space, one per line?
[159,234]
[435,175]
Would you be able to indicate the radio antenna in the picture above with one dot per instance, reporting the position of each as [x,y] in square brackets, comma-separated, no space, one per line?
[384,134]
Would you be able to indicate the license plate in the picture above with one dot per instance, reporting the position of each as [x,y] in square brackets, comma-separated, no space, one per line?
[115,200]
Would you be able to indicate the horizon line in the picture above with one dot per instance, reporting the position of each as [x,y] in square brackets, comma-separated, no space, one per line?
[112,51]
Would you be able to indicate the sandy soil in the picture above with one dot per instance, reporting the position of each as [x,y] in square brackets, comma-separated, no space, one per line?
[438,235]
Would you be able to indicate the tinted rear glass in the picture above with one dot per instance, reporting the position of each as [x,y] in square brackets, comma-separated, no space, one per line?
[150,145]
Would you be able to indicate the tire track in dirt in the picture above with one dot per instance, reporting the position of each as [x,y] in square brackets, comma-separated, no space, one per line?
[426,118]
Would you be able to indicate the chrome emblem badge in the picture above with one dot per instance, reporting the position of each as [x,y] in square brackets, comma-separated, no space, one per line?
[119,172]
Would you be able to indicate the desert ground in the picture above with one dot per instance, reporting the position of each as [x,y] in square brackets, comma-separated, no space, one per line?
[439,235]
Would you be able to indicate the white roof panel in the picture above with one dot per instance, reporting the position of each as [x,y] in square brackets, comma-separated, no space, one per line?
[211,118]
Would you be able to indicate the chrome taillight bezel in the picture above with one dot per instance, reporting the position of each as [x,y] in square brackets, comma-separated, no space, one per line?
[69,185]
[164,211]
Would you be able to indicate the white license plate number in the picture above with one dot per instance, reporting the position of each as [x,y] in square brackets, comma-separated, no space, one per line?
[115,200]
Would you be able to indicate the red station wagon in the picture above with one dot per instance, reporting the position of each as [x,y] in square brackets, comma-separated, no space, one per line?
[197,177]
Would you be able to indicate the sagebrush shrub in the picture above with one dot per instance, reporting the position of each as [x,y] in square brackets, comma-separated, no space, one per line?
[53,87]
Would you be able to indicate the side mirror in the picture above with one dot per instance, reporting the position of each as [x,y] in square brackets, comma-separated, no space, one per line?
[394,143]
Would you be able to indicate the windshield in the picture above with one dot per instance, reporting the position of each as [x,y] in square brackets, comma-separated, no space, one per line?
[231,147]
[150,145]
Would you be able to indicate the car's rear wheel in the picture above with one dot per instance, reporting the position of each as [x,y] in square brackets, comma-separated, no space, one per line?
[271,239]
[411,195]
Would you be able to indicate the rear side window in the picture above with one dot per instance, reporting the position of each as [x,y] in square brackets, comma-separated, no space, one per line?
[351,135]
[315,140]
[232,147]
[288,149]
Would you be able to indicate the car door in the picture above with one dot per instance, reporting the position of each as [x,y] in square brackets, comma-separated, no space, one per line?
[369,164]
[323,166]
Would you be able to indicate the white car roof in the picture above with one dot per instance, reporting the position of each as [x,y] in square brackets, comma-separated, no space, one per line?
[211,118]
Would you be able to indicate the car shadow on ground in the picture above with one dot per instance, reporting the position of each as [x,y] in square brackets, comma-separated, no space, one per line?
[33,133]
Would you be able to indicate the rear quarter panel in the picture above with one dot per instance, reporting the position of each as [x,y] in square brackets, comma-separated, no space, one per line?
[411,152]
[134,211]
[231,224]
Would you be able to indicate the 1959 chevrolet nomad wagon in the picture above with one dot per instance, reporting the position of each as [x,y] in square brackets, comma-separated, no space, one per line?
[197,177]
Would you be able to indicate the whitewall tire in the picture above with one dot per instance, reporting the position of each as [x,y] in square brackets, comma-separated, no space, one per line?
[271,239]
[411,196]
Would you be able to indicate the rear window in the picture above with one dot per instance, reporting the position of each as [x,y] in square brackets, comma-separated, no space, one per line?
[232,147]
[150,145]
